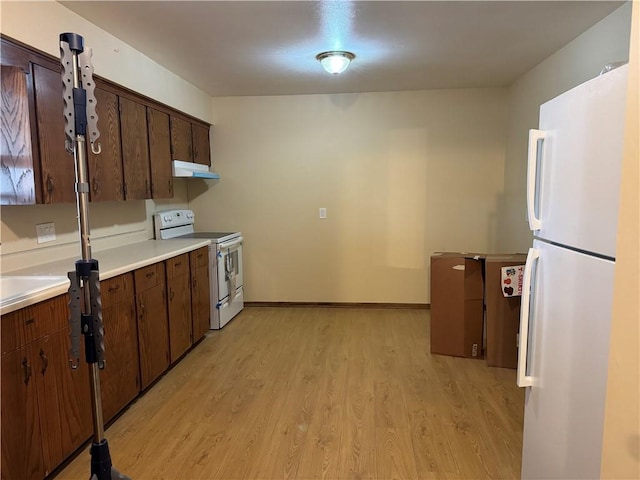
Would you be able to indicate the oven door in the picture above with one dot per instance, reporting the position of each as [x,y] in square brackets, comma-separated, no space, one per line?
[229,268]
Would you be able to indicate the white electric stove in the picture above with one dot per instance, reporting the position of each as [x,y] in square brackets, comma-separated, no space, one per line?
[225,261]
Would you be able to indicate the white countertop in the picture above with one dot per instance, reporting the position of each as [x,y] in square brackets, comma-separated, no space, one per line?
[50,279]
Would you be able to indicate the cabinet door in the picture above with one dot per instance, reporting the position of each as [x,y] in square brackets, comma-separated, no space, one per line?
[120,379]
[135,150]
[200,293]
[201,146]
[64,398]
[181,148]
[179,315]
[17,177]
[56,164]
[21,435]
[160,154]
[105,170]
[153,333]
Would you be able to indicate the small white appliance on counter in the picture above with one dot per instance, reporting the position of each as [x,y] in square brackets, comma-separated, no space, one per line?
[225,262]
[572,195]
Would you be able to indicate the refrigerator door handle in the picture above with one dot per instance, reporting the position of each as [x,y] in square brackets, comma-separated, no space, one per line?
[523,379]
[532,174]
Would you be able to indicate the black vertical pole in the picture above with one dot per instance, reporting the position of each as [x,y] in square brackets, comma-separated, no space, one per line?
[85,299]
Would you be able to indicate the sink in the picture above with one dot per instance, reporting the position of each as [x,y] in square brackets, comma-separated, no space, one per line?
[17,287]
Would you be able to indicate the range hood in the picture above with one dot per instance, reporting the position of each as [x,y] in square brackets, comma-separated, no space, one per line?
[191,170]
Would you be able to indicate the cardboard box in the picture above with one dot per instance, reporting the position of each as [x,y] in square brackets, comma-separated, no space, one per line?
[457,304]
[503,313]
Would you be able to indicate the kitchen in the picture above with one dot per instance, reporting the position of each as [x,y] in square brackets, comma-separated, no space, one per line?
[270,189]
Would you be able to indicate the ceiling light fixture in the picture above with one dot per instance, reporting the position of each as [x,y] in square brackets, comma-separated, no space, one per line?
[335,61]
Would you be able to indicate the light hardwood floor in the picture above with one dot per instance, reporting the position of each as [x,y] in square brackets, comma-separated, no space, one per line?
[311,393]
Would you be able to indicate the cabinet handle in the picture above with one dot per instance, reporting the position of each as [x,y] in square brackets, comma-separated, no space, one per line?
[27,370]
[178,264]
[142,310]
[195,282]
[45,361]
[95,185]
[114,288]
[49,183]
[171,295]
[150,274]
[30,321]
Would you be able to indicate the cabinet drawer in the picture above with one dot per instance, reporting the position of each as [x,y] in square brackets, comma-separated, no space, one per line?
[178,265]
[33,322]
[149,277]
[116,289]
[199,257]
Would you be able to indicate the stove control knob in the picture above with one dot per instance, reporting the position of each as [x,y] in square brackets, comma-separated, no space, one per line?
[167,218]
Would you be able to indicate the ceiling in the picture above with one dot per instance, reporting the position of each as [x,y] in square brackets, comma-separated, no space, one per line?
[269,47]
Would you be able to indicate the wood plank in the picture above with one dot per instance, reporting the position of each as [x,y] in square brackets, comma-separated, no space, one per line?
[394,454]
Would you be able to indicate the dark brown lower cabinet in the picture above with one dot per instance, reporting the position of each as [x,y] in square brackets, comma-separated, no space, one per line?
[21,433]
[63,396]
[200,295]
[46,408]
[153,324]
[120,379]
[178,287]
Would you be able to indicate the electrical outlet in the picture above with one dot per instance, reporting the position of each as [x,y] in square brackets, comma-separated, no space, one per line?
[46,232]
[323,212]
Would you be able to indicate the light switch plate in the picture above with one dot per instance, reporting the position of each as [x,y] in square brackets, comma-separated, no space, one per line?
[323,212]
[46,232]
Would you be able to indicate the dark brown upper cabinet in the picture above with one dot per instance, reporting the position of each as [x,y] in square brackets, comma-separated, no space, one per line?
[181,148]
[135,150]
[56,164]
[106,177]
[20,173]
[201,148]
[17,175]
[139,137]
[160,153]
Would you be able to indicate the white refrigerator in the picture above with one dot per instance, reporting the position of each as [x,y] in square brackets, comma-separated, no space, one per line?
[572,202]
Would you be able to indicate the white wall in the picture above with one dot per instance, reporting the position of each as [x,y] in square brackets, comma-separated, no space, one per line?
[621,442]
[401,174]
[576,62]
[113,223]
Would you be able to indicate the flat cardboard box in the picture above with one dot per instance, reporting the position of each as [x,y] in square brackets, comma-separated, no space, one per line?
[503,313]
[457,304]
